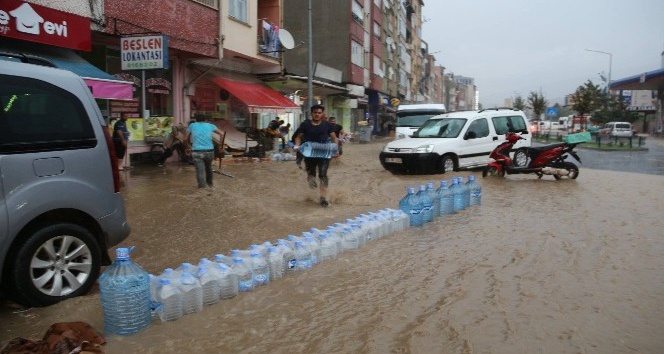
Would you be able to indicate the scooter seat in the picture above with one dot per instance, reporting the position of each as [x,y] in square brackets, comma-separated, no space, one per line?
[545,147]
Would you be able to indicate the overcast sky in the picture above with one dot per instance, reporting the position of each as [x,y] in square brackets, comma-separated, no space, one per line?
[513,47]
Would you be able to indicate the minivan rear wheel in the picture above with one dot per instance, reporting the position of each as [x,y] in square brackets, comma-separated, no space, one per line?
[54,263]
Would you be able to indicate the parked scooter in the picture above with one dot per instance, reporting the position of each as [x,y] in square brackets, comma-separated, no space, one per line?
[540,160]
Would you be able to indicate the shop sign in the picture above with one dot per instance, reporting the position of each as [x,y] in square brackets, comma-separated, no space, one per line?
[34,23]
[144,53]
[158,126]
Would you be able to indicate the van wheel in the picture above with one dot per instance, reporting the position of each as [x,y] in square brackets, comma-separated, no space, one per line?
[54,263]
[447,164]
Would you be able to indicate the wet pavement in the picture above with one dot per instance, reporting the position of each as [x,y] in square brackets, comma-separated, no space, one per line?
[542,266]
[648,160]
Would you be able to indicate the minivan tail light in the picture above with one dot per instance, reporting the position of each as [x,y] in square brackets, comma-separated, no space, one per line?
[114,159]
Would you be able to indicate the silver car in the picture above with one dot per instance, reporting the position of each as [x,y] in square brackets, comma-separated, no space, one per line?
[60,201]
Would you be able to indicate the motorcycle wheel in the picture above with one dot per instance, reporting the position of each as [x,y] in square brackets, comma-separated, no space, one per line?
[521,158]
[492,171]
[572,169]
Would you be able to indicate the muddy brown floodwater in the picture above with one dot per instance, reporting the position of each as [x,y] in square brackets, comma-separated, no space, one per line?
[542,266]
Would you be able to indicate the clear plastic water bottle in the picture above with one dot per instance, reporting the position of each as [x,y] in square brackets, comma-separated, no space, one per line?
[350,241]
[302,256]
[314,246]
[361,236]
[276,261]
[427,204]
[475,191]
[336,236]
[288,254]
[154,284]
[457,195]
[436,199]
[466,192]
[192,293]
[412,205]
[209,279]
[446,199]
[169,273]
[125,295]
[260,269]
[318,150]
[186,268]
[220,258]
[169,299]
[328,247]
[228,282]
[245,278]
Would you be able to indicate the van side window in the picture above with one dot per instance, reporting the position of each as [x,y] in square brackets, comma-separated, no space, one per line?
[37,116]
[504,125]
[480,127]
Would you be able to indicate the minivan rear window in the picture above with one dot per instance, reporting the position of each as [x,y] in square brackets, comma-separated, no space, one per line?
[37,116]
[508,124]
[623,126]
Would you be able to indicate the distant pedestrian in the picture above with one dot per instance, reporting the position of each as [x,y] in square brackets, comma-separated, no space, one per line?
[339,131]
[120,140]
[199,141]
[298,156]
[283,132]
[319,131]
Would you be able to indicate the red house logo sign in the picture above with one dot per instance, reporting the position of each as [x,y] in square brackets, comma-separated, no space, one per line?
[34,23]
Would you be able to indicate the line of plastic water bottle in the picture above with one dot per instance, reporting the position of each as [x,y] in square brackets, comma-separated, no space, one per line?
[451,197]
[189,287]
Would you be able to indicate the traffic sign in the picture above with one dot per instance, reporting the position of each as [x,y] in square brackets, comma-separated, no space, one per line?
[552,112]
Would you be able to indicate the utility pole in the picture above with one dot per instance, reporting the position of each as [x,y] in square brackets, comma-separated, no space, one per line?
[310,69]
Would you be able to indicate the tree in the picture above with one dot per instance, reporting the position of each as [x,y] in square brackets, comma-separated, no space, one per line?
[616,110]
[587,98]
[519,103]
[537,103]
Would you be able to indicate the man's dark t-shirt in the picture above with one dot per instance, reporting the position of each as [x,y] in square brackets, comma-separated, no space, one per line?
[316,133]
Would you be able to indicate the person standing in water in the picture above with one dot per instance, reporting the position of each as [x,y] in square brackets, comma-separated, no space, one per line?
[320,131]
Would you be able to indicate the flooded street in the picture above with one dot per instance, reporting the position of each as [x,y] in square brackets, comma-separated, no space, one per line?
[542,266]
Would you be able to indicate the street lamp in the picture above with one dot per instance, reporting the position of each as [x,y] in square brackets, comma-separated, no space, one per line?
[608,84]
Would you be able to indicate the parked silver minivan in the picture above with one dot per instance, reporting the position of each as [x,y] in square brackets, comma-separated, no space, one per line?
[60,201]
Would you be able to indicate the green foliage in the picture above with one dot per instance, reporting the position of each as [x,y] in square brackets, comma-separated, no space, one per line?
[587,98]
[519,103]
[537,103]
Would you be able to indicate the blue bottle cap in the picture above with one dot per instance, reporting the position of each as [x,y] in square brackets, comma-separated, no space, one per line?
[122,253]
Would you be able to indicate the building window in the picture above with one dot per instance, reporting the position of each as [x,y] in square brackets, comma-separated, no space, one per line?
[209,3]
[357,53]
[378,66]
[238,10]
[358,13]
[376,30]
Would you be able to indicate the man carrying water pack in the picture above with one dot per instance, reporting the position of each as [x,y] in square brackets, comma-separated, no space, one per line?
[319,131]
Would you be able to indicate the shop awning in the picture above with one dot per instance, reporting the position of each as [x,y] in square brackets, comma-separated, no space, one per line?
[102,84]
[259,98]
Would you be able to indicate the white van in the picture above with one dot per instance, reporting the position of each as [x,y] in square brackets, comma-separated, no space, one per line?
[411,116]
[454,141]
[617,129]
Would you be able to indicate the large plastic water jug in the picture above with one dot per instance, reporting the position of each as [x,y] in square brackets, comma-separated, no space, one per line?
[125,295]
